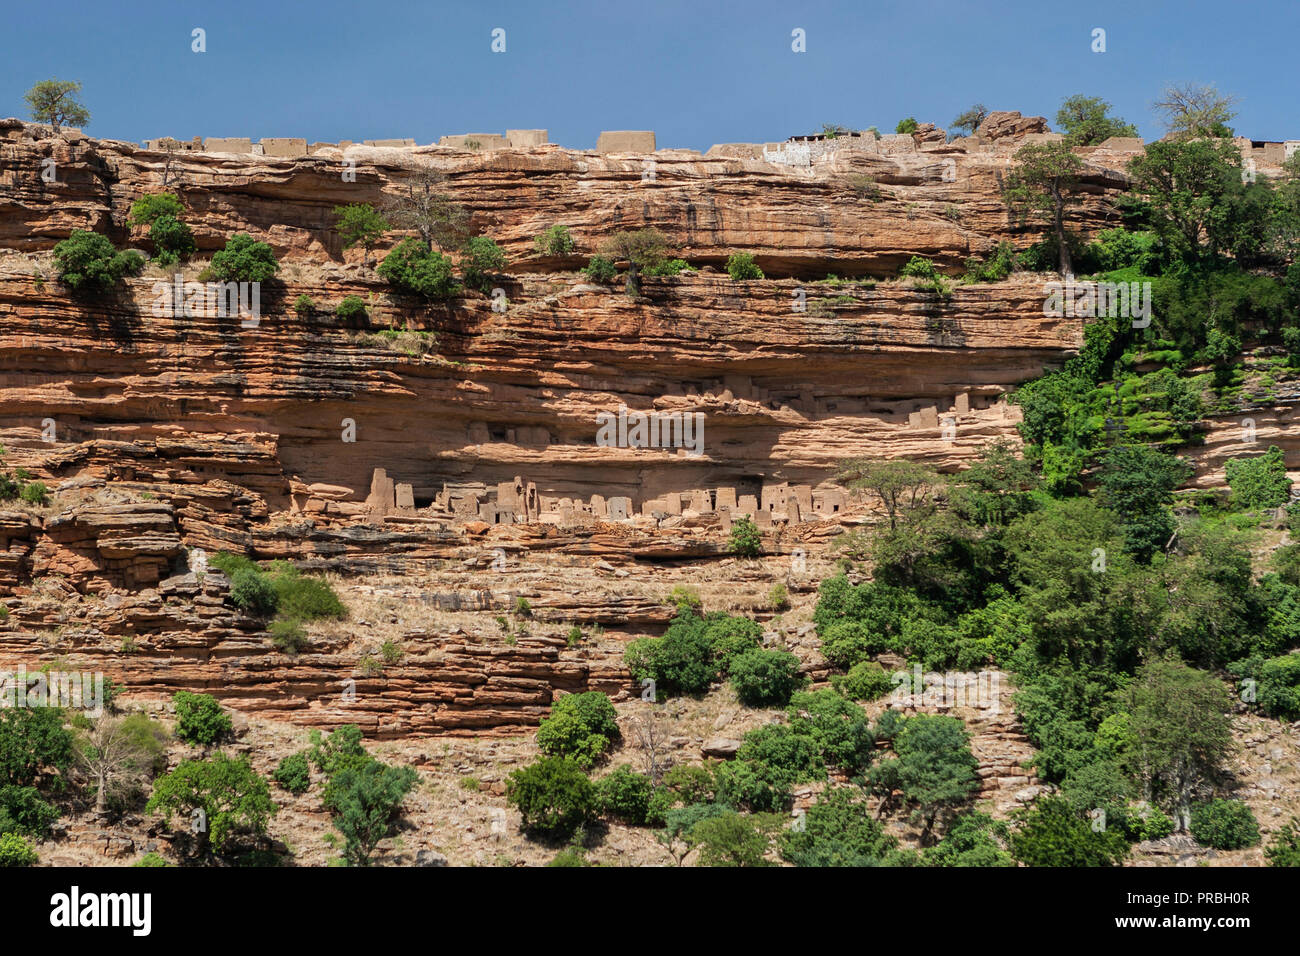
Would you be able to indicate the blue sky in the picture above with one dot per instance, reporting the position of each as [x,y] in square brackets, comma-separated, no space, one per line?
[698,72]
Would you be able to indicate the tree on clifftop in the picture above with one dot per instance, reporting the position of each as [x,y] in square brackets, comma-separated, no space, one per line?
[1086,121]
[1191,111]
[55,102]
[970,119]
[425,208]
[1040,187]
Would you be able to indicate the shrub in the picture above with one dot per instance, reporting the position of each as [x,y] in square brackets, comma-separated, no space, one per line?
[294,773]
[391,651]
[682,596]
[228,564]
[1277,683]
[244,259]
[866,680]
[625,795]
[234,799]
[746,540]
[679,662]
[1224,825]
[728,637]
[480,261]
[352,307]
[553,796]
[366,801]
[522,607]
[340,750]
[15,851]
[23,810]
[555,241]
[147,209]
[1051,833]
[765,678]
[305,597]
[1259,482]
[837,728]
[253,592]
[172,240]
[908,125]
[414,268]
[864,186]
[360,225]
[199,718]
[1285,848]
[741,266]
[580,726]
[668,267]
[730,839]
[778,598]
[600,269]
[35,493]
[304,305]
[837,831]
[288,635]
[33,740]
[151,859]
[919,267]
[87,260]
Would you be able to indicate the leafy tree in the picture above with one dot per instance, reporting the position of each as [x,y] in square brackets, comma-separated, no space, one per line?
[909,125]
[899,484]
[1191,110]
[340,751]
[553,795]
[121,754]
[625,794]
[87,260]
[600,269]
[153,206]
[235,801]
[23,810]
[866,680]
[741,266]
[423,207]
[293,773]
[765,678]
[999,485]
[1052,833]
[481,260]
[1285,848]
[254,592]
[837,729]
[32,740]
[1182,729]
[172,240]
[360,224]
[366,801]
[1224,825]
[729,839]
[1040,187]
[641,248]
[1277,683]
[934,767]
[745,539]
[837,830]
[412,267]
[199,718]
[1087,121]
[351,307]
[1138,483]
[55,102]
[15,851]
[554,242]
[970,119]
[1186,188]
[244,259]
[1259,482]
[974,839]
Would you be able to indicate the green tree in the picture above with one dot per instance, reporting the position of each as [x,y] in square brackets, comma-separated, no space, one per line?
[642,249]
[412,267]
[15,851]
[366,802]
[1285,848]
[235,801]
[1259,482]
[55,102]
[87,260]
[1086,121]
[199,718]
[1052,833]
[172,240]
[1040,186]
[152,206]
[244,259]
[625,794]
[765,678]
[1224,825]
[909,125]
[293,773]
[1186,188]
[741,266]
[481,260]
[553,795]
[900,485]
[729,839]
[33,740]
[934,767]
[360,224]
[554,242]
[1137,483]
[745,538]
[970,119]
[837,830]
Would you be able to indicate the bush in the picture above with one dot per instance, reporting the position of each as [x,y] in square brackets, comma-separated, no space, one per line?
[35,493]
[244,259]
[919,267]
[294,773]
[908,125]
[414,268]
[728,637]
[555,241]
[366,801]
[15,851]
[741,266]
[682,596]
[1224,825]
[746,540]
[339,751]
[87,260]
[305,597]
[730,839]
[234,799]
[1259,482]
[23,810]
[199,718]
[838,831]
[600,269]
[553,796]
[288,635]
[668,267]
[252,591]
[304,305]
[33,741]
[679,662]
[866,680]
[1052,833]
[352,307]
[778,598]
[837,728]
[580,726]
[172,240]
[481,260]
[570,856]
[151,860]
[1285,848]
[625,795]
[765,678]
[147,209]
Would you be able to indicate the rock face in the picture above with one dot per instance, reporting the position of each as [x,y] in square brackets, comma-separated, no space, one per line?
[162,432]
